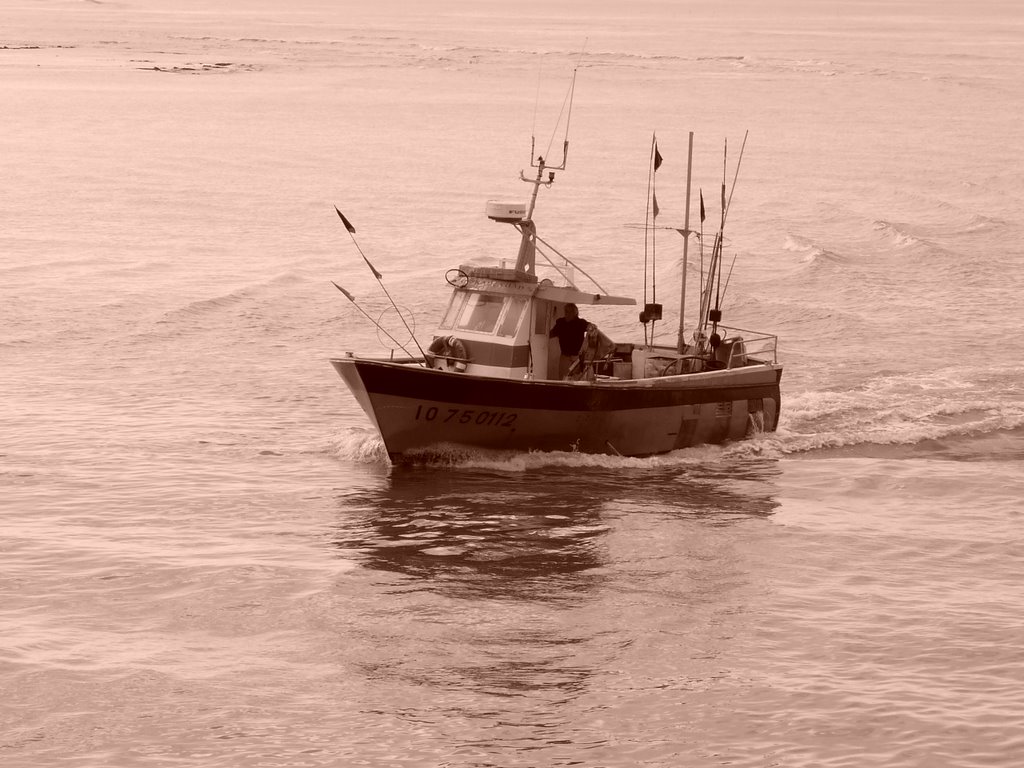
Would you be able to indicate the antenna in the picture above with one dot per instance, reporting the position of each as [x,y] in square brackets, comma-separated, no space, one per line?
[527,245]
[539,162]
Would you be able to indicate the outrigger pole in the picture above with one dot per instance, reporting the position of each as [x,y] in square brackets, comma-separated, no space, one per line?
[352,233]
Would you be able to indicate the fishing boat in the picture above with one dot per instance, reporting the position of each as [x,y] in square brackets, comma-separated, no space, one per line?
[493,378]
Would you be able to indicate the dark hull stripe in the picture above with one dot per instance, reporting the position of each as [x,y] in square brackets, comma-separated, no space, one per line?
[497,355]
[445,387]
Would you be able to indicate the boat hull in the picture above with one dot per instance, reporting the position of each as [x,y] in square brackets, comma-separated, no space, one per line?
[417,410]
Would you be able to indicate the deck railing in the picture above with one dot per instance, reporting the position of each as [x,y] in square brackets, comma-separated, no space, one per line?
[762,347]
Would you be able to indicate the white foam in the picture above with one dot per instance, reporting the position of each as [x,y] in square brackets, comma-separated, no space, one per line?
[360,445]
[897,410]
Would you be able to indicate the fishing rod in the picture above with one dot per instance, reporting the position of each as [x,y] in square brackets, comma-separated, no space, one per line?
[685,232]
[726,204]
[715,267]
[721,238]
[725,214]
[728,277]
[700,319]
[352,233]
[739,162]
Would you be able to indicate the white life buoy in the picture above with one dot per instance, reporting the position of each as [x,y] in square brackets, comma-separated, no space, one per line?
[451,350]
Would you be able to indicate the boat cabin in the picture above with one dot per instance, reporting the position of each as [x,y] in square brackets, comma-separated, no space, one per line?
[498,319]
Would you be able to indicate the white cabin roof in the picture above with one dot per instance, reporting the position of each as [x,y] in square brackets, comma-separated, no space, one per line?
[516,283]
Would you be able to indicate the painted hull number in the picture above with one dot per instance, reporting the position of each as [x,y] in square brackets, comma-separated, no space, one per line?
[465,416]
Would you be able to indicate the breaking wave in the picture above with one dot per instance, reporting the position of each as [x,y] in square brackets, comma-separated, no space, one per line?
[810,253]
[899,234]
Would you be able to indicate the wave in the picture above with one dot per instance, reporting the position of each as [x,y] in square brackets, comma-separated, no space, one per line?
[203,307]
[810,252]
[215,304]
[981,223]
[938,219]
[53,265]
[900,234]
[200,68]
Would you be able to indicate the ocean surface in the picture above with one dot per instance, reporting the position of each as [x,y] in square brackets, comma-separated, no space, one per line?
[206,559]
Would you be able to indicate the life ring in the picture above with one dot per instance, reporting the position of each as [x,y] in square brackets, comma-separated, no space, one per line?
[451,350]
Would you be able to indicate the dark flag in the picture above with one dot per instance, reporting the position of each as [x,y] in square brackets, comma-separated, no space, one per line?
[347,294]
[654,204]
[352,233]
[702,206]
[346,222]
[657,157]
[373,269]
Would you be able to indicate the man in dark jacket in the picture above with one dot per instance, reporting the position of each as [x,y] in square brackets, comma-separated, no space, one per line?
[569,331]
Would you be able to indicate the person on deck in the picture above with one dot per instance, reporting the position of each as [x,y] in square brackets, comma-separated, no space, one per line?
[569,331]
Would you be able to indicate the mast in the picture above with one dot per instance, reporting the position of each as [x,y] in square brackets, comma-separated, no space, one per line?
[526,260]
[680,343]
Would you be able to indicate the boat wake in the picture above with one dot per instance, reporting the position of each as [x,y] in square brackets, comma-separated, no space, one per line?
[905,411]
[364,446]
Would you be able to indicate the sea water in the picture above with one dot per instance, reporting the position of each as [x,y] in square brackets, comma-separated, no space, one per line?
[206,559]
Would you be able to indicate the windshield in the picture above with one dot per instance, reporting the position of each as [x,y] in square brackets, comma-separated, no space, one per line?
[485,313]
[481,313]
[454,308]
[510,322]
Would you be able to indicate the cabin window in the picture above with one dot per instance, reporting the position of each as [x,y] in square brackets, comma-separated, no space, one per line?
[454,308]
[513,314]
[481,313]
